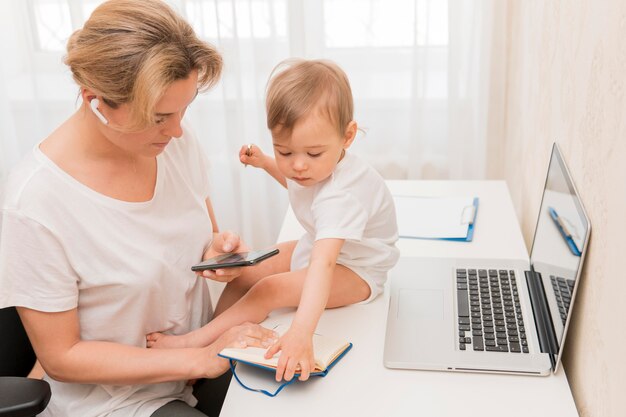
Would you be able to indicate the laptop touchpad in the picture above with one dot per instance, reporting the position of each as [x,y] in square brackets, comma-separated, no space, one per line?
[420,304]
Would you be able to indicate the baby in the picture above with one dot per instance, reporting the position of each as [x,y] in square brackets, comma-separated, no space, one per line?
[342,203]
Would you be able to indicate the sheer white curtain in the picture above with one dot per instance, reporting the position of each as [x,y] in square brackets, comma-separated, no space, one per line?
[420,72]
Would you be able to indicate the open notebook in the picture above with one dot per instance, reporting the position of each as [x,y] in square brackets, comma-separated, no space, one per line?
[327,351]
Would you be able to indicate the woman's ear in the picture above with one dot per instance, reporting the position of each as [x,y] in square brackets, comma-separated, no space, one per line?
[87,95]
[349,134]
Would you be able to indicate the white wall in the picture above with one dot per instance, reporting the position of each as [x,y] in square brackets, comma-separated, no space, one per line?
[566,81]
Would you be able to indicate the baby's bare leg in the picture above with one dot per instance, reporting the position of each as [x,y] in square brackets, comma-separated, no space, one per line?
[252,310]
[271,293]
[348,288]
[233,291]
[238,287]
[284,290]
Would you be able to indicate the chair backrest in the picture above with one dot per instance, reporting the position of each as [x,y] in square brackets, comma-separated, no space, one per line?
[19,397]
[16,353]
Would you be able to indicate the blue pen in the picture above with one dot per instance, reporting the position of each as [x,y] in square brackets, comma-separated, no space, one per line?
[564,232]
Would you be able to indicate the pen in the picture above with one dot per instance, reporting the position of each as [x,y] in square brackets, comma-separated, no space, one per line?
[561,224]
[248,153]
[565,233]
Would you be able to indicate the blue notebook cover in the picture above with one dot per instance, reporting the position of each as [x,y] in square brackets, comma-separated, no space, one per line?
[234,361]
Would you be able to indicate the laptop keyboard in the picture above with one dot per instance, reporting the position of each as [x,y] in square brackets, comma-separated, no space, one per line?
[563,289]
[490,316]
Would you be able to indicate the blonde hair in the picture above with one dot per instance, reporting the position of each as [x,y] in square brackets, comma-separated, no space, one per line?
[131,51]
[298,87]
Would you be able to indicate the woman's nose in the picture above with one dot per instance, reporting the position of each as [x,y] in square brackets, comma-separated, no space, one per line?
[173,127]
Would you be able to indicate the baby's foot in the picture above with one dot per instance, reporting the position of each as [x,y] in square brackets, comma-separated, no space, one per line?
[160,341]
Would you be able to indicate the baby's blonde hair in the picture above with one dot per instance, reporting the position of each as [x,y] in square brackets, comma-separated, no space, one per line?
[298,87]
[131,51]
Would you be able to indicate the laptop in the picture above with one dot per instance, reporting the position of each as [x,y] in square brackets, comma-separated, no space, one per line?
[497,316]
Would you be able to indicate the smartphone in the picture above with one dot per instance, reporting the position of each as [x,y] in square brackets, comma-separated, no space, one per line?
[231,260]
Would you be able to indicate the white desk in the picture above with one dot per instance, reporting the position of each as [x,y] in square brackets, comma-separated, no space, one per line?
[361,386]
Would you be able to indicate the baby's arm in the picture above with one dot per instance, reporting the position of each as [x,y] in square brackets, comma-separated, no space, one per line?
[297,344]
[253,155]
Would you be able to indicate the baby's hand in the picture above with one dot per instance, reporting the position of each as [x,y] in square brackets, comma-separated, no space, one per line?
[297,349]
[251,155]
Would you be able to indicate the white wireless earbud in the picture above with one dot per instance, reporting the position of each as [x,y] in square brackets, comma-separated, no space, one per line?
[94,103]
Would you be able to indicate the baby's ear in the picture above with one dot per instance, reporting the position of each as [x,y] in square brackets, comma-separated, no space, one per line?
[349,134]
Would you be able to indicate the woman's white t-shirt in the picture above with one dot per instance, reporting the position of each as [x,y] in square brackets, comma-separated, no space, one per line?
[354,204]
[125,266]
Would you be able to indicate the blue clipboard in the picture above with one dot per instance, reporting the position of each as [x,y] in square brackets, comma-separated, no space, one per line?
[469,217]
[470,227]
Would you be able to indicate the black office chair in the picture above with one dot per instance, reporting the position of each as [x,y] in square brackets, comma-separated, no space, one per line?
[19,396]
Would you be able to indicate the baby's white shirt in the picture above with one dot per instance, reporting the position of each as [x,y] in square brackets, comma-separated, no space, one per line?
[354,204]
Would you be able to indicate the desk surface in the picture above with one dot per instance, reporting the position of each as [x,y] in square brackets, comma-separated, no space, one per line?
[361,385]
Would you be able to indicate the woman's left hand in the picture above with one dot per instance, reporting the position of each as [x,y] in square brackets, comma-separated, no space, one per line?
[241,336]
[224,242]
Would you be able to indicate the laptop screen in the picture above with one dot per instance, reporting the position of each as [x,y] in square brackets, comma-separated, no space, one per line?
[560,243]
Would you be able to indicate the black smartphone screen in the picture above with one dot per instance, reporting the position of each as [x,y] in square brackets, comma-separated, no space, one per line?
[231,260]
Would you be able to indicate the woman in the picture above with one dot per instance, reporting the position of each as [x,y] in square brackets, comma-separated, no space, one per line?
[102,221]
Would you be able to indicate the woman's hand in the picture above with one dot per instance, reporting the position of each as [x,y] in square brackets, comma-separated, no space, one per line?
[297,349]
[242,336]
[246,335]
[225,242]
[252,155]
